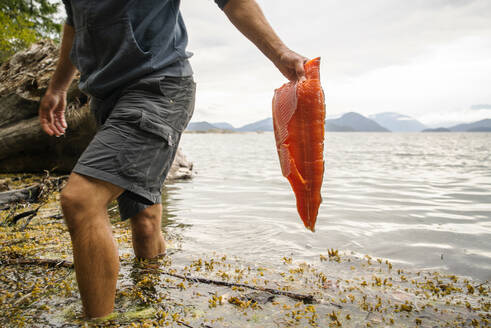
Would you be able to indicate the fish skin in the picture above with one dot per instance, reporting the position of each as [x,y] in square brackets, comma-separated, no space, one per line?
[298,120]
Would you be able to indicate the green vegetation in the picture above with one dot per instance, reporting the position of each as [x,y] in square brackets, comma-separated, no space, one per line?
[22,22]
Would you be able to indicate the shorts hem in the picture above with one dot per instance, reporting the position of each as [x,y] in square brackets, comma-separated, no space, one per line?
[116,180]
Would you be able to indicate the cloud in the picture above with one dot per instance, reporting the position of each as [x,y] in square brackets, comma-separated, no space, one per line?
[481,106]
[425,59]
[421,58]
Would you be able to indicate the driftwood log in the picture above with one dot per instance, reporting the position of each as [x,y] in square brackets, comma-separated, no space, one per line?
[29,194]
[24,147]
[32,194]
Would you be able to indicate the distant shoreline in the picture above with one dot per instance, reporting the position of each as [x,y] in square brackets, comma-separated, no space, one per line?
[350,122]
[218,131]
[432,131]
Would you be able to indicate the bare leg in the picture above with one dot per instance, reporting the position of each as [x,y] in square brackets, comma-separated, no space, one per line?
[146,229]
[84,202]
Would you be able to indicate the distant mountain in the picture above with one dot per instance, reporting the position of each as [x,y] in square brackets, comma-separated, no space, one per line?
[437,130]
[263,125]
[398,123]
[224,126]
[331,127]
[354,122]
[480,129]
[349,122]
[201,126]
[479,126]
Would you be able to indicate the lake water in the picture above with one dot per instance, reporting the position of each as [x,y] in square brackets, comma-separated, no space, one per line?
[420,200]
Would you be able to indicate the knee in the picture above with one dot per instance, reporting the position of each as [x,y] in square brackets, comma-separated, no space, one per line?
[72,205]
[70,200]
[79,206]
[146,225]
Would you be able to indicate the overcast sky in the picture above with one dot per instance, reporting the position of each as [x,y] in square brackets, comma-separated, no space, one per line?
[429,59]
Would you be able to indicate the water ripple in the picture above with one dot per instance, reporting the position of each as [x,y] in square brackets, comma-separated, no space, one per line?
[419,199]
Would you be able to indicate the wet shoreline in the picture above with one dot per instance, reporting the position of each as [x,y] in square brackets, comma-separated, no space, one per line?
[347,290]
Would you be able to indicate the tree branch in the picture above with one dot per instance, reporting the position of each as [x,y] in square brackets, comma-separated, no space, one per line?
[308,299]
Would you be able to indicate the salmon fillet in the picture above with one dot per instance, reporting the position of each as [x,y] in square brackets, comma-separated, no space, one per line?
[298,120]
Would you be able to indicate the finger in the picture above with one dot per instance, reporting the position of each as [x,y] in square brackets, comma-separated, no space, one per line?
[56,130]
[299,69]
[59,119]
[60,122]
[61,111]
[59,127]
[51,123]
[43,119]
[63,120]
[45,126]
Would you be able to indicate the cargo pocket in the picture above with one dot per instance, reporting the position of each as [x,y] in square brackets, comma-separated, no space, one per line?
[148,153]
[152,125]
[180,92]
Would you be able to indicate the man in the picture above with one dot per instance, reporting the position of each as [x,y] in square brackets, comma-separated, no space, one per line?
[133,62]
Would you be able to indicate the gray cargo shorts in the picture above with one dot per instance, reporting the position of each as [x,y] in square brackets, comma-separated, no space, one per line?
[135,145]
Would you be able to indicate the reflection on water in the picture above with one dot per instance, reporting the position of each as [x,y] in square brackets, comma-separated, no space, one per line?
[168,218]
[419,199]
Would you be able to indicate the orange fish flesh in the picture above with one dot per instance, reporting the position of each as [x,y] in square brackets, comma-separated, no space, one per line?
[298,119]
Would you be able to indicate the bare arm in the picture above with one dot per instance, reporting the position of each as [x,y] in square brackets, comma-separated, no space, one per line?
[52,106]
[248,18]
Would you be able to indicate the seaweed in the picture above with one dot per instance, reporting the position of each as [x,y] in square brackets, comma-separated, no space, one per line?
[192,289]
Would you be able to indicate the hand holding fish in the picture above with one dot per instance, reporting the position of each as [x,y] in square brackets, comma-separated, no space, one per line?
[291,65]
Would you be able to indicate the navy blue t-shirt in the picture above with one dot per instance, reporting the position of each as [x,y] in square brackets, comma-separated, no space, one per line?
[117,42]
